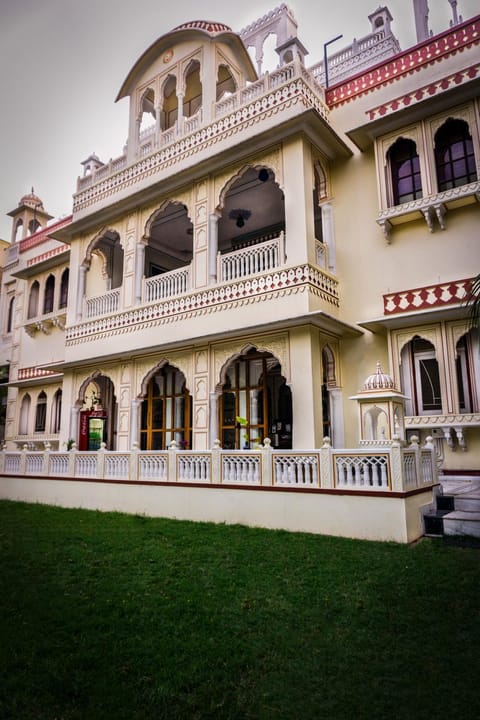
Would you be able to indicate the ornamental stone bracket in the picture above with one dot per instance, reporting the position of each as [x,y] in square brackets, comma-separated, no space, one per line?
[452,428]
[433,208]
[45,326]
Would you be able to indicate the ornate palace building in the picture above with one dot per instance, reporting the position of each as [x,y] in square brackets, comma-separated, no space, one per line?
[276,257]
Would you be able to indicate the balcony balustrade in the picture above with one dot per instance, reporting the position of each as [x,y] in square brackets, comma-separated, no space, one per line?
[259,258]
[104,304]
[167,285]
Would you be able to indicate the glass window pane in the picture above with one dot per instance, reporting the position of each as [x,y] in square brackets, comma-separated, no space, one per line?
[157,414]
[256,369]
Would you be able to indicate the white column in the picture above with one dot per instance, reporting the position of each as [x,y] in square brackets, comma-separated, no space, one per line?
[74,417]
[212,247]
[82,273]
[329,235]
[213,419]
[134,421]
[139,271]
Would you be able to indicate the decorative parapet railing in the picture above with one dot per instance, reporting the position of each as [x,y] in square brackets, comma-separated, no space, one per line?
[225,296]
[393,469]
[430,296]
[276,91]
[167,285]
[251,260]
[34,372]
[454,40]
[104,304]
[431,208]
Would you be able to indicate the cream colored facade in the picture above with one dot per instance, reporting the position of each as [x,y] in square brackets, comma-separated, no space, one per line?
[253,254]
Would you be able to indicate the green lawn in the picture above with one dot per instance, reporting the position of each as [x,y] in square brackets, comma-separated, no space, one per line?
[124,617]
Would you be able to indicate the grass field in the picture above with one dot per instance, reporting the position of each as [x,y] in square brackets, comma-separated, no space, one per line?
[124,617]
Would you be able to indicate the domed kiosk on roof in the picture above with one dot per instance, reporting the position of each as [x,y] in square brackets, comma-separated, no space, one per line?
[378,381]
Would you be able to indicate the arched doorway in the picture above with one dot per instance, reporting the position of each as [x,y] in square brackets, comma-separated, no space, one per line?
[166,411]
[256,403]
[98,414]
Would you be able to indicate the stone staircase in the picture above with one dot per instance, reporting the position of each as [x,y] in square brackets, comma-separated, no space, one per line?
[456,508]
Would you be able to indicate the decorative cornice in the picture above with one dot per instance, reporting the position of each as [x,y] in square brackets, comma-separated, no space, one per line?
[217,299]
[451,420]
[426,92]
[449,293]
[31,373]
[47,255]
[406,63]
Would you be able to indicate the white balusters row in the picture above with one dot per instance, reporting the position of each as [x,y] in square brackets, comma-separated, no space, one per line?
[296,470]
[153,466]
[362,471]
[250,260]
[241,468]
[102,304]
[392,468]
[193,468]
[168,284]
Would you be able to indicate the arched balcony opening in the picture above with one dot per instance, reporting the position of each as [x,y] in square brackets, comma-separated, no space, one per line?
[405,177]
[169,114]
[63,299]
[103,267]
[168,254]
[225,82]
[166,410]
[454,155]
[255,403]
[147,112]
[251,227]
[41,412]
[24,420]
[192,101]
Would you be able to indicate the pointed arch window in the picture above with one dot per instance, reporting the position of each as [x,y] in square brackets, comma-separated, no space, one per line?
[10,315]
[57,411]
[454,155]
[62,303]
[49,295]
[421,378]
[41,412]
[33,300]
[166,411]
[467,366]
[24,415]
[404,162]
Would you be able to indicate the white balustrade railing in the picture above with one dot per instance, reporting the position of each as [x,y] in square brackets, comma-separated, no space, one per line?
[153,466]
[117,466]
[104,304]
[86,464]
[296,470]
[262,257]
[58,463]
[363,472]
[166,285]
[192,467]
[241,468]
[385,469]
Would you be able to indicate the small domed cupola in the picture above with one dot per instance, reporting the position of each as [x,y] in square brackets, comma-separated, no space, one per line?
[378,381]
[381,409]
[28,217]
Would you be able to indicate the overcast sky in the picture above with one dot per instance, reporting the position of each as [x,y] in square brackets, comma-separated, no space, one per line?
[62,63]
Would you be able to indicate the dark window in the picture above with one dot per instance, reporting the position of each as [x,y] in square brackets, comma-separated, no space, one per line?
[10,316]
[41,413]
[64,289]
[49,295]
[405,170]
[33,300]
[454,156]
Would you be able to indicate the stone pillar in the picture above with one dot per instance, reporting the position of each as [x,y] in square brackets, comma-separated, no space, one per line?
[139,271]
[213,419]
[134,421]
[212,248]
[74,418]
[329,235]
[82,279]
